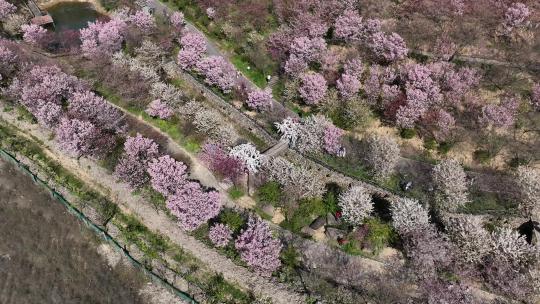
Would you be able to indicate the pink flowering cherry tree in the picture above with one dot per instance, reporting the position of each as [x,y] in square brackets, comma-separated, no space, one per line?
[219,161]
[192,206]
[159,109]
[6,9]
[388,47]
[33,34]
[76,137]
[167,176]
[131,167]
[308,49]
[220,235]
[9,59]
[44,83]
[348,25]
[86,105]
[295,66]
[516,16]
[500,115]
[260,99]
[177,21]
[333,140]
[313,88]
[193,49]
[258,248]
[102,38]
[48,114]
[348,86]
[217,72]
[143,20]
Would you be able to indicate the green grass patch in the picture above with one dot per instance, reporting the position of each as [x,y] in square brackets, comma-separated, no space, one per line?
[235,192]
[352,247]
[270,193]
[233,219]
[445,147]
[489,203]
[255,75]
[407,133]
[307,211]
[379,234]
[25,115]
[346,166]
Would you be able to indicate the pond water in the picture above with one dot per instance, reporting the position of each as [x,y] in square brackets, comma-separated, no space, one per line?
[73,15]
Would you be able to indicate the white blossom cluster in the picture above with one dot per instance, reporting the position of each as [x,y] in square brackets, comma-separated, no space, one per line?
[209,122]
[289,129]
[356,205]
[135,65]
[408,215]
[450,182]
[470,237]
[150,53]
[382,155]
[306,135]
[298,181]
[528,180]
[510,245]
[249,155]
[167,93]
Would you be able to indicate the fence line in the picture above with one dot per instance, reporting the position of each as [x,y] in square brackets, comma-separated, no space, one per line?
[99,231]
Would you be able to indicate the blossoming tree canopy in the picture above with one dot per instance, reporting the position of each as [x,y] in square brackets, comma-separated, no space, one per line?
[167,175]
[258,248]
[192,206]
[249,155]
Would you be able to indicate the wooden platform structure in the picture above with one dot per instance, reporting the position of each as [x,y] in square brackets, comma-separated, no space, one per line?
[40,17]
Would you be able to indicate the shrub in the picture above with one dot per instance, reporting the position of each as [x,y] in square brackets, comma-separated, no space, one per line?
[270,192]
[220,235]
[235,193]
[232,219]
[307,210]
[445,147]
[379,234]
[258,248]
[430,144]
[407,133]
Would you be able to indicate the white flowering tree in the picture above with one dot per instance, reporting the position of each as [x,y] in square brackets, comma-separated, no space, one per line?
[408,216]
[509,245]
[382,155]
[473,241]
[249,155]
[289,129]
[313,134]
[297,181]
[356,205]
[528,180]
[450,183]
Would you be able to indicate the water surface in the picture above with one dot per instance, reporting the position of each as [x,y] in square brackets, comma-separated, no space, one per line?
[73,15]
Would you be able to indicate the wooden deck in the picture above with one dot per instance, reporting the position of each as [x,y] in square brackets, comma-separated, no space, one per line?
[42,20]
[40,17]
[34,8]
